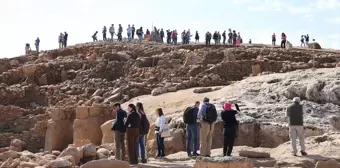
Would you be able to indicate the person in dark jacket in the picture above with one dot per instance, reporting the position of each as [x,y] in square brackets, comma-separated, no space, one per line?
[215,37]
[132,132]
[65,39]
[224,36]
[119,129]
[162,35]
[234,37]
[133,31]
[197,37]
[189,118]
[143,130]
[229,128]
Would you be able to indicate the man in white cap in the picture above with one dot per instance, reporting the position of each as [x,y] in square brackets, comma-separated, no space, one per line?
[295,118]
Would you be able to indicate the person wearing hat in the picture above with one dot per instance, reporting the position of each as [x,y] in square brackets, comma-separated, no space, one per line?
[229,127]
[295,119]
[207,116]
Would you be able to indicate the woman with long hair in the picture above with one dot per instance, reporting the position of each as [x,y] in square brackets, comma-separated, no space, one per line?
[132,132]
[160,125]
[143,130]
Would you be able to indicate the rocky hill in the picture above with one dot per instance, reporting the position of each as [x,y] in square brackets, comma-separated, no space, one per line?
[64,96]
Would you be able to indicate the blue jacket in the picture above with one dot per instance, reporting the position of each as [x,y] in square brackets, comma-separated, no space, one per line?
[119,124]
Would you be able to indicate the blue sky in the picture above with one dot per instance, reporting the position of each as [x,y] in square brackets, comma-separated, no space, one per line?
[22,21]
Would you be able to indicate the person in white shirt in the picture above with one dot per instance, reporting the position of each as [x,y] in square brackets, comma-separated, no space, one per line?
[160,125]
[129,32]
[112,31]
[60,40]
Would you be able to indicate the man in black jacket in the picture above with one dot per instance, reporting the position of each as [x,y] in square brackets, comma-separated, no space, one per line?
[119,128]
[189,118]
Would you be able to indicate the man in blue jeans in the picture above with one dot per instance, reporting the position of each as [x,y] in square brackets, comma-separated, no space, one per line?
[189,118]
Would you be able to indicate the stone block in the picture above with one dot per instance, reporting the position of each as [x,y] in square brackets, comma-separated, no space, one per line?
[88,128]
[256,69]
[56,114]
[82,112]
[58,135]
[254,154]
[223,162]
[95,111]
[108,134]
[328,164]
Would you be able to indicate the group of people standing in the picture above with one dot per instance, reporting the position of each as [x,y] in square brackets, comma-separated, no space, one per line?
[304,40]
[131,31]
[283,40]
[134,125]
[62,40]
[233,37]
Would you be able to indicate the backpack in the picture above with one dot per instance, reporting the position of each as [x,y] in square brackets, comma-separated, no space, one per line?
[210,115]
[187,114]
[145,125]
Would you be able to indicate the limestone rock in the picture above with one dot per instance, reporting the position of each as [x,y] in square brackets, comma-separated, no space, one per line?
[18,145]
[10,163]
[203,90]
[335,122]
[71,151]
[58,134]
[314,45]
[59,163]
[328,164]
[254,154]
[158,91]
[104,163]
[82,112]
[88,128]
[108,134]
[9,154]
[89,150]
[28,165]
[223,162]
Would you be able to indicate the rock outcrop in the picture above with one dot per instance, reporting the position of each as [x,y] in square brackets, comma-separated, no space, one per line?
[223,162]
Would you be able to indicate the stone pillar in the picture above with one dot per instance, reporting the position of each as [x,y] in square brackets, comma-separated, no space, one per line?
[256,69]
[59,133]
[87,124]
[29,71]
[108,134]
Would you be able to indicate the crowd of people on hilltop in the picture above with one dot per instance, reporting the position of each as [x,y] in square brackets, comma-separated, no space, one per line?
[158,35]
[134,125]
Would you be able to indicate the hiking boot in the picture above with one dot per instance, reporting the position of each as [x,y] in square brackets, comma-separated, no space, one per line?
[294,154]
[195,154]
[144,161]
[303,153]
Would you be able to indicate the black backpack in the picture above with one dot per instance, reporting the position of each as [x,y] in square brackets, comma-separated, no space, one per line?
[210,115]
[188,113]
[145,125]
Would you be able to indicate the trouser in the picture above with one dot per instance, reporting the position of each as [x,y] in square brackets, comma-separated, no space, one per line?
[65,43]
[141,146]
[206,138]
[160,145]
[283,44]
[168,40]
[294,133]
[94,39]
[133,35]
[60,44]
[234,41]
[140,38]
[111,36]
[129,36]
[197,41]
[120,145]
[191,137]
[174,40]
[162,37]
[131,138]
[120,37]
[229,139]
[223,40]
[230,41]
[307,43]
[104,36]
[273,42]
[303,43]
[37,48]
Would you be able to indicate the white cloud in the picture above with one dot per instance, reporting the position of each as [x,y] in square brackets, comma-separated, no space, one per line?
[334,36]
[327,4]
[299,9]
[333,20]
[256,8]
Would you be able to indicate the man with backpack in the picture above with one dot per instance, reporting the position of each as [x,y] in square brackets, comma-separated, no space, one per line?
[207,116]
[190,119]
